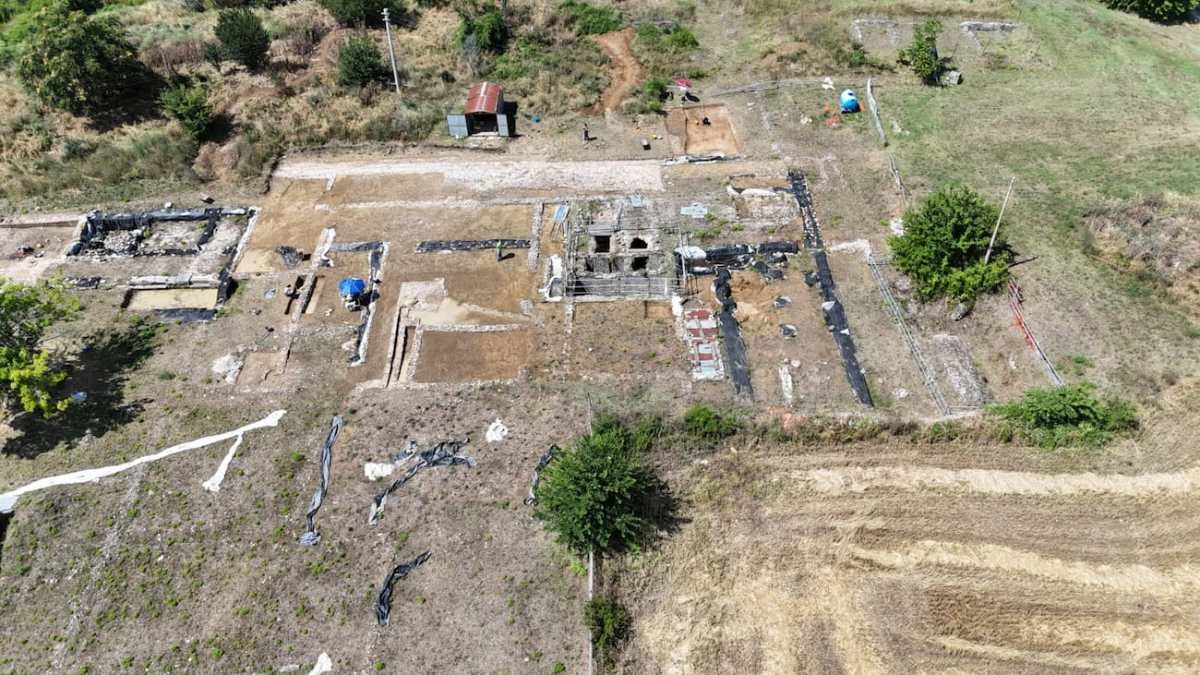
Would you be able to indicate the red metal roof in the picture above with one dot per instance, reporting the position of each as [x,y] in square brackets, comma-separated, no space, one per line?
[484,97]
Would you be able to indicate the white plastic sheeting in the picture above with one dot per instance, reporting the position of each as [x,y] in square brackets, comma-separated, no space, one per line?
[377,470]
[496,431]
[8,500]
[213,484]
[324,665]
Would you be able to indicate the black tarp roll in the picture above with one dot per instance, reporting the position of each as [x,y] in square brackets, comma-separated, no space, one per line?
[442,454]
[469,245]
[311,536]
[383,606]
[732,344]
[543,461]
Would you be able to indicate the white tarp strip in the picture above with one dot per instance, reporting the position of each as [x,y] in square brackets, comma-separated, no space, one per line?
[324,665]
[8,500]
[214,484]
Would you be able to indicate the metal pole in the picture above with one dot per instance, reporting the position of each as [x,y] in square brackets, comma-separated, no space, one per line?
[996,229]
[387,26]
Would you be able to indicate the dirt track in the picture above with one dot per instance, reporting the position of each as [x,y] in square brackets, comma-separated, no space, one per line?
[626,71]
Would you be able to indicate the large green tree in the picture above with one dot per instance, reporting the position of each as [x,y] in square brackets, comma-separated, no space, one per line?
[29,372]
[366,12]
[78,63]
[922,55]
[360,63]
[598,495]
[944,243]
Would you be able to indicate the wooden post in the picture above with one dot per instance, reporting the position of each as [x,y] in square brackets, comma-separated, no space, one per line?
[996,229]
[387,27]
[591,594]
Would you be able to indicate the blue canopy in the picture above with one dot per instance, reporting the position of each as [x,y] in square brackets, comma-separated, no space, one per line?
[352,286]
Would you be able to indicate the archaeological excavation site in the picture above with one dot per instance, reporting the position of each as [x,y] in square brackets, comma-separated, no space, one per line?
[597,337]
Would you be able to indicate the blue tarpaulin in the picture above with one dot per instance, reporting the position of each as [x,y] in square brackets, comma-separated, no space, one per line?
[352,286]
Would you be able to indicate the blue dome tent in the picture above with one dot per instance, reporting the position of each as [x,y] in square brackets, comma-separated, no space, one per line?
[849,101]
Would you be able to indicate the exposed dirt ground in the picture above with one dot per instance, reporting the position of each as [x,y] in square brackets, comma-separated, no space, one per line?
[880,558]
[703,130]
[893,555]
[626,72]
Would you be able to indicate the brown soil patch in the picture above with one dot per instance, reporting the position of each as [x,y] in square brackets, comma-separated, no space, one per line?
[625,74]
[47,242]
[454,356]
[173,298]
[687,125]
[261,370]
[626,339]
[819,381]
[365,189]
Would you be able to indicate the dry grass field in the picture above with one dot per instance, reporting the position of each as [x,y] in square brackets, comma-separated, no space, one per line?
[825,536]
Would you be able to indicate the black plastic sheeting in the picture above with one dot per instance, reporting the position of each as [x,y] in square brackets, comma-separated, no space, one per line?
[383,607]
[98,224]
[186,314]
[5,518]
[768,259]
[311,536]
[835,314]
[88,283]
[291,256]
[735,255]
[444,453]
[469,245]
[778,247]
[543,461]
[736,361]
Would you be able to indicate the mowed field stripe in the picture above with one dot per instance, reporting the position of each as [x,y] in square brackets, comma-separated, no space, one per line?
[1182,580]
[860,479]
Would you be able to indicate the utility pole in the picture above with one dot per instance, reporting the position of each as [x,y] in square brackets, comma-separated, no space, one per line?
[387,27]
[996,229]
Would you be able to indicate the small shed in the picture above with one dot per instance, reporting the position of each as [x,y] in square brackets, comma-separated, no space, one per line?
[484,112]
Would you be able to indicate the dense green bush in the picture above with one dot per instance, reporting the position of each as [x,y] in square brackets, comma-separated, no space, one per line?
[29,374]
[242,37]
[77,63]
[10,9]
[707,424]
[365,12]
[598,495]
[188,104]
[1165,11]
[488,31]
[945,239]
[609,622]
[360,63]
[674,40]
[921,55]
[1068,416]
[650,96]
[590,19]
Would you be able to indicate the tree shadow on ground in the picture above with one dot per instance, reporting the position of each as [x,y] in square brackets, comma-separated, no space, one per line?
[660,509]
[101,372]
[138,103]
